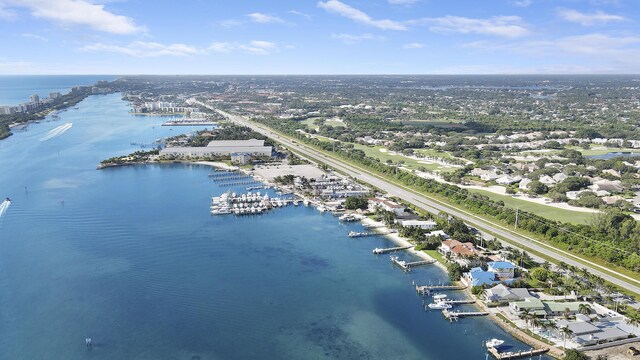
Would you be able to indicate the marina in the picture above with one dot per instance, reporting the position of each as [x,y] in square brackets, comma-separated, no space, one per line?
[245,204]
[175,282]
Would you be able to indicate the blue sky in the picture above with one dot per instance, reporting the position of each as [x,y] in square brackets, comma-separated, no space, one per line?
[319,37]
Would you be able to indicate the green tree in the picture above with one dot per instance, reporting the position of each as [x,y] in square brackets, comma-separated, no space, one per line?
[356,202]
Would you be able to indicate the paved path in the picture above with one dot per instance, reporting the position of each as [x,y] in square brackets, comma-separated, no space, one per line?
[435,206]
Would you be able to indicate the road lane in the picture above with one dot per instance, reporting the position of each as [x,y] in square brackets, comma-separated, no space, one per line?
[435,206]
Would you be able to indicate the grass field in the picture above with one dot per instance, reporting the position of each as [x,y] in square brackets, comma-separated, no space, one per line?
[549,212]
[309,122]
[374,152]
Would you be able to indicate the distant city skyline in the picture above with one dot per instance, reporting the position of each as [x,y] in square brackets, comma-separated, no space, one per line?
[320,37]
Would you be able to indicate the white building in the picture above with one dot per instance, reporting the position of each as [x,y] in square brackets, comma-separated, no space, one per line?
[384,204]
[251,147]
[422,224]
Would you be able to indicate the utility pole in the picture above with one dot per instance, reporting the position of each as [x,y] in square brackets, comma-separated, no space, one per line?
[517,213]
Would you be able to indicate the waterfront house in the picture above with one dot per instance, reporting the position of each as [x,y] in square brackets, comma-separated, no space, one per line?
[586,333]
[455,249]
[438,233]
[478,277]
[533,305]
[504,270]
[502,292]
[385,204]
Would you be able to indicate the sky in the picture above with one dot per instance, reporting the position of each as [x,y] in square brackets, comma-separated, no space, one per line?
[320,37]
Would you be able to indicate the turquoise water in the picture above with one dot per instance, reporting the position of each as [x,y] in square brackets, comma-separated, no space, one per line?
[17,89]
[131,257]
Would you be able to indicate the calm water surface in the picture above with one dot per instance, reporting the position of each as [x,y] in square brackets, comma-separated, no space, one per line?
[16,89]
[131,257]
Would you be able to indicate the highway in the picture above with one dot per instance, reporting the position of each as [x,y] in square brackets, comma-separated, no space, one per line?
[435,206]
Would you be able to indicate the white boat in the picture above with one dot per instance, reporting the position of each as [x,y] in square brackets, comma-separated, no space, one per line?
[305,202]
[439,296]
[439,305]
[295,203]
[494,343]
[322,208]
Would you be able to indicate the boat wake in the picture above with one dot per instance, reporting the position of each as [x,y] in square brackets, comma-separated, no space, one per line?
[57,132]
[4,206]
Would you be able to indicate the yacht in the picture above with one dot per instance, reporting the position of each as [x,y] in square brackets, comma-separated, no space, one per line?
[494,343]
[439,305]
[439,296]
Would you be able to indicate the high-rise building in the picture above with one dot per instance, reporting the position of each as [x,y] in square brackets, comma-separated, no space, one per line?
[54,95]
[34,98]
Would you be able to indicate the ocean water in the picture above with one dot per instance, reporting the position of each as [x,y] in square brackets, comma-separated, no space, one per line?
[131,257]
[16,89]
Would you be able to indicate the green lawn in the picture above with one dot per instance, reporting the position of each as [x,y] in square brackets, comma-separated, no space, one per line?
[549,212]
[374,152]
[309,122]
[432,152]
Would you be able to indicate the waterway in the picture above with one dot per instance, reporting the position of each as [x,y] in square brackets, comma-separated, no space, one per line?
[131,257]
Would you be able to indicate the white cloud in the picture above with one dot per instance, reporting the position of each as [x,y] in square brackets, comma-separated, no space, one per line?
[504,26]
[142,49]
[585,19]
[352,38]
[6,13]
[35,36]
[256,47]
[522,3]
[229,23]
[79,12]
[402,2]
[264,18]
[413,45]
[595,52]
[340,8]
[222,47]
[299,13]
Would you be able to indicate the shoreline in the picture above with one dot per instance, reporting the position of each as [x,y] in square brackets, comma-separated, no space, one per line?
[394,237]
[402,242]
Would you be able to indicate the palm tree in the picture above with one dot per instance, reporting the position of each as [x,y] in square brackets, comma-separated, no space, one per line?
[563,266]
[526,316]
[633,319]
[566,332]
[566,313]
[546,265]
[535,322]
[584,309]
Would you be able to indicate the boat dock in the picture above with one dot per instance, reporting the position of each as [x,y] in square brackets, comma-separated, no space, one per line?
[378,251]
[516,355]
[455,315]
[406,266]
[459,302]
[427,289]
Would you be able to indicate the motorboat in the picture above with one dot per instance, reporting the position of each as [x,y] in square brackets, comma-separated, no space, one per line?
[439,296]
[494,343]
[439,305]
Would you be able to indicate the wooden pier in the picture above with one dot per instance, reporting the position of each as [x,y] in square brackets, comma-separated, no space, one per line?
[378,251]
[455,315]
[406,266]
[516,355]
[427,289]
